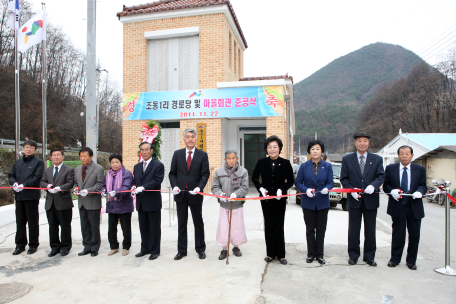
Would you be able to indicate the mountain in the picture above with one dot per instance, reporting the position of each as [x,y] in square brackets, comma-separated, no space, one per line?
[328,101]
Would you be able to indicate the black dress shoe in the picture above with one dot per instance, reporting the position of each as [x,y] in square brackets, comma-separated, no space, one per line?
[268,259]
[392,264]
[141,254]
[18,251]
[283,261]
[201,255]
[95,253]
[153,256]
[321,261]
[83,253]
[53,253]
[411,266]
[31,250]
[180,255]
[371,263]
[64,253]
[352,261]
[310,259]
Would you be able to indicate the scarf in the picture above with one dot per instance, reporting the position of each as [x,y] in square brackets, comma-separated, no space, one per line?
[234,179]
[115,176]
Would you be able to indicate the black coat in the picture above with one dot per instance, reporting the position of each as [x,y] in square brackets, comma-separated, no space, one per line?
[282,177]
[417,183]
[351,177]
[27,171]
[151,179]
[197,176]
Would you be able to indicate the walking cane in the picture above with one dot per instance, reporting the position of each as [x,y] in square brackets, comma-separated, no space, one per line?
[229,234]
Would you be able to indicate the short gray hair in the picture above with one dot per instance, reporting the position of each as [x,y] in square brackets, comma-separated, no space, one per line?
[230,151]
[189,130]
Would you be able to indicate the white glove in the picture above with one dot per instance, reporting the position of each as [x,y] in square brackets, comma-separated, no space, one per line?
[310,192]
[324,191]
[112,193]
[197,189]
[15,188]
[233,195]
[417,195]
[49,186]
[57,189]
[84,192]
[76,191]
[395,194]
[264,192]
[52,191]
[139,190]
[20,188]
[176,190]
[223,199]
[356,195]
[369,189]
[278,194]
[103,193]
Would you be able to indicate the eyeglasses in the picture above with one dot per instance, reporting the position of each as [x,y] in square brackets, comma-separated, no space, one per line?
[144,150]
[29,148]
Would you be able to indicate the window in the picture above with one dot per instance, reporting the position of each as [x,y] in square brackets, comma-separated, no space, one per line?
[235,60]
[173,64]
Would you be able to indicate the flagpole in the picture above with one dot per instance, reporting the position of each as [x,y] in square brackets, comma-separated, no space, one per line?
[16,91]
[43,91]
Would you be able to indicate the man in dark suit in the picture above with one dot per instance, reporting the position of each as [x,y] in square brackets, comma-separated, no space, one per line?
[405,211]
[59,203]
[189,171]
[362,170]
[89,177]
[148,175]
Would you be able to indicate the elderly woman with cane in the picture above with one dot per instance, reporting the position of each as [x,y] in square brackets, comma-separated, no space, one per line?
[232,180]
[119,205]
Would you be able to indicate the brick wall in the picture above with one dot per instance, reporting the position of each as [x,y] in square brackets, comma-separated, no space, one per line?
[214,66]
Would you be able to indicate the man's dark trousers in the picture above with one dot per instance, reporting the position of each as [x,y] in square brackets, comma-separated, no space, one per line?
[27,213]
[182,218]
[405,221]
[355,216]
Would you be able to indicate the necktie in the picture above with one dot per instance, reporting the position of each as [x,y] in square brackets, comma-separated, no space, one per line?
[84,168]
[189,159]
[55,173]
[144,166]
[361,164]
[404,183]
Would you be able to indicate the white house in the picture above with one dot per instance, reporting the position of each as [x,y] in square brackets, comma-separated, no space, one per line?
[421,143]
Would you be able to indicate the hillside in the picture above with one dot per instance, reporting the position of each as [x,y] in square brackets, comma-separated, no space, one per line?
[328,101]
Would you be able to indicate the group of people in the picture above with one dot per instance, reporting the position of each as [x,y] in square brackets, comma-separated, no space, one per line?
[189,174]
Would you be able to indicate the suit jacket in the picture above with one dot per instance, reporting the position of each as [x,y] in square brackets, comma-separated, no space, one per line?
[64,180]
[196,176]
[93,182]
[151,179]
[417,183]
[306,179]
[281,178]
[351,177]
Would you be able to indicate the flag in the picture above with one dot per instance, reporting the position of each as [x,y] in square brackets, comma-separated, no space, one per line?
[14,7]
[32,32]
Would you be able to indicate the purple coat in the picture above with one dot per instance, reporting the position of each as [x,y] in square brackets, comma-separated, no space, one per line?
[125,205]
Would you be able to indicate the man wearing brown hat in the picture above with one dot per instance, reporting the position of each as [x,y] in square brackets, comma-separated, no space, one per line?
[362,170]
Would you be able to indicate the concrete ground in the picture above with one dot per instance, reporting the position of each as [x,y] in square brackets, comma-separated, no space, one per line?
[248,279]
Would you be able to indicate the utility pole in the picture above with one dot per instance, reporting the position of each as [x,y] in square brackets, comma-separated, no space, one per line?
[91,95]
[43,95]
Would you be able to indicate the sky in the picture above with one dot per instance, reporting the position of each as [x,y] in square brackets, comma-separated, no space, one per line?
[297,37]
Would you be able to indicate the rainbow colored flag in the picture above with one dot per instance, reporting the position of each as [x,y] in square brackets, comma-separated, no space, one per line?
[32,32]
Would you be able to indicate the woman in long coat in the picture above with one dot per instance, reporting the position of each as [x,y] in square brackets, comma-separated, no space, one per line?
[276,178]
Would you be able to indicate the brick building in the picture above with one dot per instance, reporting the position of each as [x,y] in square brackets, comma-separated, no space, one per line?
[178,45]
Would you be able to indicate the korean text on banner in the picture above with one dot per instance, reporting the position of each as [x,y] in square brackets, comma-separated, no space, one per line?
[212,103]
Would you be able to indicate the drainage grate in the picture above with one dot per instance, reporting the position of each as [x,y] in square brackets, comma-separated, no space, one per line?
[13,291]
